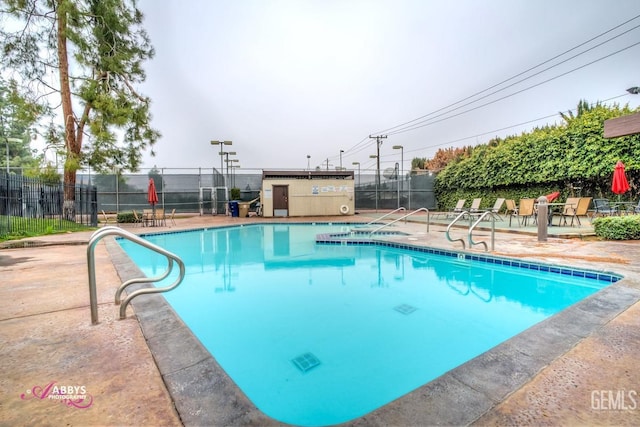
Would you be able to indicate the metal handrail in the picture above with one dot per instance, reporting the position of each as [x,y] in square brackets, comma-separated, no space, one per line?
[460,215]
[93,298]
[403,217]
[493,232]
[401,208]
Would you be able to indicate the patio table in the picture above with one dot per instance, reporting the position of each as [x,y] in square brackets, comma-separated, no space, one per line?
[626,207]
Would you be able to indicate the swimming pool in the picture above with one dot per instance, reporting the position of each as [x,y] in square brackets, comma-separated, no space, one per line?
[320,334]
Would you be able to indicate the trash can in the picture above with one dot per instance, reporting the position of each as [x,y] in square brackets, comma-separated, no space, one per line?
[244,210]
[233,208]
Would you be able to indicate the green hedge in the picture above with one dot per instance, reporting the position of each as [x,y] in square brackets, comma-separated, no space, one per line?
[618,227]
[126,218]
[552,158]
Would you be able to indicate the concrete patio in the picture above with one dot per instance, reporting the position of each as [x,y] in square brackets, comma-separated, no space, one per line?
[146,370]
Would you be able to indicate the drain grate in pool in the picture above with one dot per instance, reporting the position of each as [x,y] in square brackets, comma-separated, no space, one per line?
[405,308]
[306,362]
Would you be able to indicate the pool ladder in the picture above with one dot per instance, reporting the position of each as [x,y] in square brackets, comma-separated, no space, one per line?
[472,226]
[401,208]
[403,217]
[93,298]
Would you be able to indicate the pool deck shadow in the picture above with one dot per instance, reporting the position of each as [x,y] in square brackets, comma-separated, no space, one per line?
[150,370]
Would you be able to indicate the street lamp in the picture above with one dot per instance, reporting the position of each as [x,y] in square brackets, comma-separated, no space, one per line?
[357,163]
[230,161]
[401,148]
[233,172]
[341,151]
[634,90]
[373,156]
[308,161]
[226,159]
[221,143]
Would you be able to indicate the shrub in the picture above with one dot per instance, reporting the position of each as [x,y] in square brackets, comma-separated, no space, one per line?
[235,193]
[126,218]
[618,227]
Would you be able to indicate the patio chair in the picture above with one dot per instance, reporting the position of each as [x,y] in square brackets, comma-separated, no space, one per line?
[569,210]
[172,216]
[511,207]
[602,207]
[524,211]
[161,219]
[475,205]
[108,220]
[495,210]
[137,220]
[459,208]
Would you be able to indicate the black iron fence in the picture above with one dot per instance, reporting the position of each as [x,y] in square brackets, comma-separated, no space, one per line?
[31,206]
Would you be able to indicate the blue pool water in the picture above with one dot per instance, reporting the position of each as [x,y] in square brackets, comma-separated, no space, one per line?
[318,334]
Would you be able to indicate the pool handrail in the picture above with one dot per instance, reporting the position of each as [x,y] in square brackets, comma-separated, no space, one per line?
[472,226]
[460,215]
[93,298]
[493,231]
[403,217]
[401,208]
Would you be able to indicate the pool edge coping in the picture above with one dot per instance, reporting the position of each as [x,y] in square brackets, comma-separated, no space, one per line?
[217,400]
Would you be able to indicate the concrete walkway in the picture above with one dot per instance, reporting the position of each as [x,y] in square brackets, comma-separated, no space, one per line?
[578,368]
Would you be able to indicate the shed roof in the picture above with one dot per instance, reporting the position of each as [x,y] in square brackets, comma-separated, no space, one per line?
[275,174]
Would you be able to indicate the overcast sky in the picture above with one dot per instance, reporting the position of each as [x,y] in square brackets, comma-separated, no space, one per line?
[291,78]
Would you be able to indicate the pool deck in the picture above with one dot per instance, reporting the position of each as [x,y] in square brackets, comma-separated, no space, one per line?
[578,367]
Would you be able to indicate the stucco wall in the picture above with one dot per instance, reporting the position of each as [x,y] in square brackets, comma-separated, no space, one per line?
[311,197]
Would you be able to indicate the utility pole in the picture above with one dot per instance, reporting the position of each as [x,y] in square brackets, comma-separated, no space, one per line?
[378,139]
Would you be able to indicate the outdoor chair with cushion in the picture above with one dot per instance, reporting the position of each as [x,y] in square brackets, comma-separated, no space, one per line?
[602,207]
[569,210]
[524,211]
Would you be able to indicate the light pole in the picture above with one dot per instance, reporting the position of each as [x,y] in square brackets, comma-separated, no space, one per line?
[226,160]
[233,171]
[373,156]
[308,161]
[7,141]
[634,90]
[357,163]
[341,151]
[233,184]
[221,143]
[401,148]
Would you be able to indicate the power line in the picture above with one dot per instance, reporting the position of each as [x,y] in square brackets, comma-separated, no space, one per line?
[501,129]
[524,72]
[414,127]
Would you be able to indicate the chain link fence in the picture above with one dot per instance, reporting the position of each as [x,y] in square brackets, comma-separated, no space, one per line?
[207,191]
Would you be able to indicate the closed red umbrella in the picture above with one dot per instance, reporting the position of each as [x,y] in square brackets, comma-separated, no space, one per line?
[152,195]
[620,184]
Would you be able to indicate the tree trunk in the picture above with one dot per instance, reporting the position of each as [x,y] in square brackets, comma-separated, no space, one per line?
[69,120]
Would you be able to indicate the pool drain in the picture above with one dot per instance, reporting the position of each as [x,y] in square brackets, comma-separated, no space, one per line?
[405,308]
[306,362]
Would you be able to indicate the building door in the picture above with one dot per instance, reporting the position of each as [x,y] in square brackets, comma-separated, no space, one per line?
[280,200]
